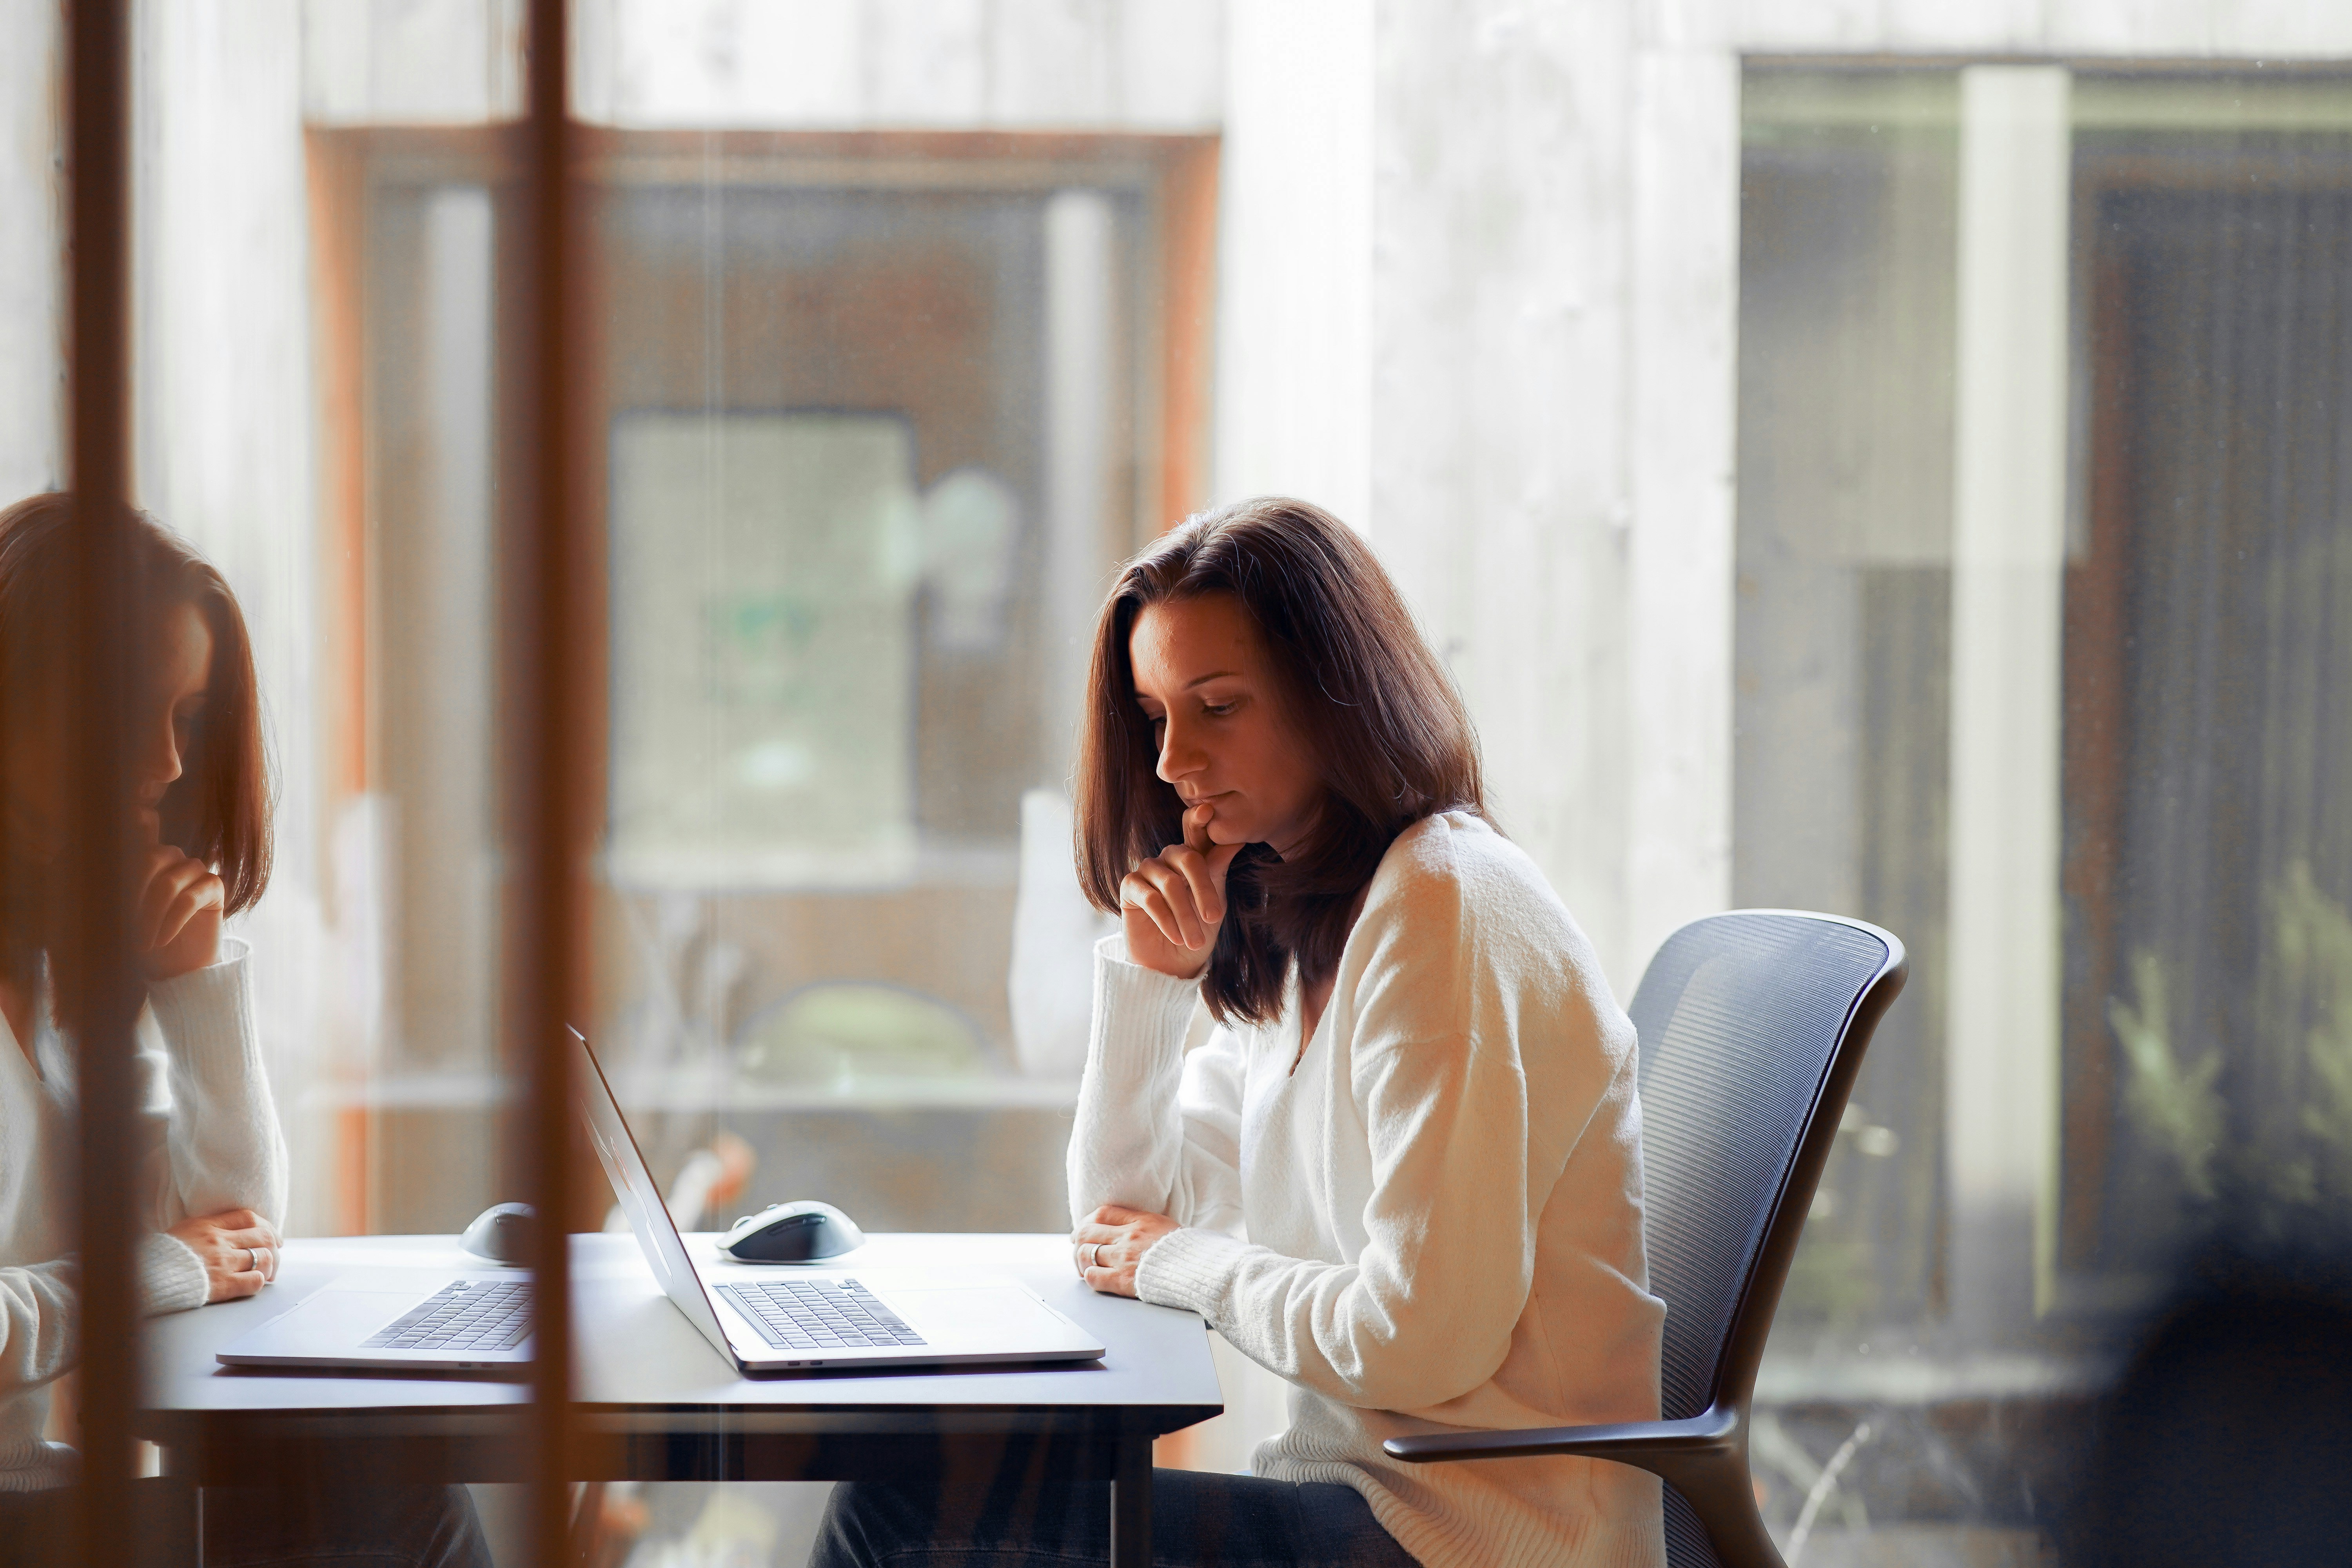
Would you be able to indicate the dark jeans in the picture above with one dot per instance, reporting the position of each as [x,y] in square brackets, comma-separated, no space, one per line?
[262,1527]
[348,1527]
[1029,1514]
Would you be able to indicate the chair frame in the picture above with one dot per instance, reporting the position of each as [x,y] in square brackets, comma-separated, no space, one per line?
[1704,1457]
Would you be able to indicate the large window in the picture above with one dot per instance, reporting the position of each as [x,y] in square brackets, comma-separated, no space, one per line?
[2043,534]
[2208,643]
[876,417]
[2116,691]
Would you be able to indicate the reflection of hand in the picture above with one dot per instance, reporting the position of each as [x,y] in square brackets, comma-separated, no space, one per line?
[178,918]
[1173,903]
[238,1249]
[1110,1244]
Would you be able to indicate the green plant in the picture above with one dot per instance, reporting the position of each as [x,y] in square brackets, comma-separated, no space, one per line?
[2178,1110]
[2310,999]
[2302,1157]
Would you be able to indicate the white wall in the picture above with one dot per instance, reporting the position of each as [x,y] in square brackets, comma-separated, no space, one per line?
[1131,65]
[1553,314]
[32,327]
[411,62]
[1476,294]
[224,421]
[1294,390]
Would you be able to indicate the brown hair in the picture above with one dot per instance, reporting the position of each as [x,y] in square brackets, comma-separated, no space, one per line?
[217,811]
[1368,698]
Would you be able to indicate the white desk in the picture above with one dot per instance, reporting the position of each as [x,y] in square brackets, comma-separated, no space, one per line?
[656,1402]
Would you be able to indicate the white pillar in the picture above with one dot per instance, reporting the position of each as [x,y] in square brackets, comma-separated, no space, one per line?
[1295,272]
[223,417]
[2008,557]
[1685,331]
[1078,396]
[31,275]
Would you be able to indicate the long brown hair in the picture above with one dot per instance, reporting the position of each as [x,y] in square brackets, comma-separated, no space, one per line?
[1362,689]
[217,811]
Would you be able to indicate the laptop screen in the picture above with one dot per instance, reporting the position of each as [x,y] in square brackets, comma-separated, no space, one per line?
[641,1200]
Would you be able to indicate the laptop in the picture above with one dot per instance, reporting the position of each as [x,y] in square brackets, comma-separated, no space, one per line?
[762,1316]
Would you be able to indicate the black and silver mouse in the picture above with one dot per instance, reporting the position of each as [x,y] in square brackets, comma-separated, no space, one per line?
[501,1233]
[800,1232]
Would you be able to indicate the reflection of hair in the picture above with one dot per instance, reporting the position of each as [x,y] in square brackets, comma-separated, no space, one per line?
[217,811]
[1361,691]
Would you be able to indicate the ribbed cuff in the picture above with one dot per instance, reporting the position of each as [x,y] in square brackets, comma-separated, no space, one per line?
[1140,1015]
[207,1016]
[35,1465]
[171,1276]
[1192,1269]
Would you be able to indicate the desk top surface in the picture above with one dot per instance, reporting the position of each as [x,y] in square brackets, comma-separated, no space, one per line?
[642,1364]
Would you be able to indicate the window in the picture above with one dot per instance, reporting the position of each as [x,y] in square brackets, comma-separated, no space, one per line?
[2209,846]
[2140,734]
[878,413]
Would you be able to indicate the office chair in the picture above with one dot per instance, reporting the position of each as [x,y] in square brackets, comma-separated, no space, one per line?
[1752,1026]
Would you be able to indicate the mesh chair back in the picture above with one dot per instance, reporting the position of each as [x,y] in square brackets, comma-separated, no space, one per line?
[1740,1017]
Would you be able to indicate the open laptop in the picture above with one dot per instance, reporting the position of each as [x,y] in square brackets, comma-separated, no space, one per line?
[762,1316]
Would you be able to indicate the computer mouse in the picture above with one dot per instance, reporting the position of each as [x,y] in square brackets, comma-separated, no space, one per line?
[793,1233]
[501,1233]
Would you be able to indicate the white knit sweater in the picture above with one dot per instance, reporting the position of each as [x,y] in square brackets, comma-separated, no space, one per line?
[212,1142]
[1434,1223]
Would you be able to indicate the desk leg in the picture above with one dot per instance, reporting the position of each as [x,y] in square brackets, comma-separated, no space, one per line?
[1130,1503]
[171,1517]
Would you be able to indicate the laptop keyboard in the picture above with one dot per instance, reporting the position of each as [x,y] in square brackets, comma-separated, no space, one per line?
[820,1314]
[467,1315]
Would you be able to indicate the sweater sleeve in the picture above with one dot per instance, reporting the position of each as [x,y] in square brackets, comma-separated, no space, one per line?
[1159,1127]
[1425,1311]
[225,1148]
[39,1318]
[40,1306]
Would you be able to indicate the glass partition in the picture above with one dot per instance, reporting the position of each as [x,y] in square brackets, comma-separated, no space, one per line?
[667,608]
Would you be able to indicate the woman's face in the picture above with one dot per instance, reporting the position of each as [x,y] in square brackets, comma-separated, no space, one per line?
[165,708]
[170,710]
[1202,677]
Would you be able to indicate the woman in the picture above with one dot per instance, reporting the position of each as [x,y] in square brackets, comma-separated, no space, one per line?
[213,1162]
[1356,1092]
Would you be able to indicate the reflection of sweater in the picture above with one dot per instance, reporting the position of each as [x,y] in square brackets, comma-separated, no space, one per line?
[1435,1222]
[213,1143]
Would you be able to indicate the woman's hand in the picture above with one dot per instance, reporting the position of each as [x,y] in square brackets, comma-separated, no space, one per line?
[1112,1242]
[178,923]
[1172,905]
[238,1249]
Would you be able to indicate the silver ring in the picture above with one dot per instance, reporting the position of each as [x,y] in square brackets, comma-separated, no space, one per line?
[252,1261]
[1096,1248]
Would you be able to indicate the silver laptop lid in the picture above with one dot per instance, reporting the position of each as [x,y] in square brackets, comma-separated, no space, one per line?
[641,1200]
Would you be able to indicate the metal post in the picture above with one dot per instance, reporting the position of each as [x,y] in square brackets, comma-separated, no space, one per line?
[99,991]
[548,824]
[1130,1502]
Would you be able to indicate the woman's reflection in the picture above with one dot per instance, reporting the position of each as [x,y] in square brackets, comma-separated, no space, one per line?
[214,1160]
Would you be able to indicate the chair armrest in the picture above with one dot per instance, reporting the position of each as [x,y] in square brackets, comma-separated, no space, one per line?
[1631,1443]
